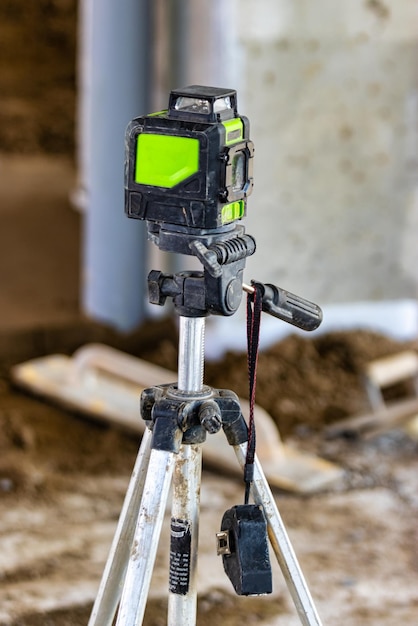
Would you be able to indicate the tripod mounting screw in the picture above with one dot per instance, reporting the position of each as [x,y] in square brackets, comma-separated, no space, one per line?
[210,416]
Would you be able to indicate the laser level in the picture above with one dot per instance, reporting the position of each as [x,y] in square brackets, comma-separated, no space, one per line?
[191,165]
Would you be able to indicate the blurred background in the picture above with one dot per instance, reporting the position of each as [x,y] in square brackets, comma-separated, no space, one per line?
[331,91]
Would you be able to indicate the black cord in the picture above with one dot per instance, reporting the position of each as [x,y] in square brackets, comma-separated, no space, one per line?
[254,308]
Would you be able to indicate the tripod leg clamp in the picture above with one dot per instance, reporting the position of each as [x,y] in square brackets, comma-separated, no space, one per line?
[233,422]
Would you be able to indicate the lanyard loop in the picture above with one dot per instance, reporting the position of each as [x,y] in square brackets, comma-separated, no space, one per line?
[254,308]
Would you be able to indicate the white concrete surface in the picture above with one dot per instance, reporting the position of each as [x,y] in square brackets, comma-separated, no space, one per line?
[331,90]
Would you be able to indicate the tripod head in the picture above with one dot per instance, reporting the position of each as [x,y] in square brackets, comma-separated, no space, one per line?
[188,174]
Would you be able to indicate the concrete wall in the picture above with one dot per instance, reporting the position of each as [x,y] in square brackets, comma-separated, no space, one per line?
[331,89]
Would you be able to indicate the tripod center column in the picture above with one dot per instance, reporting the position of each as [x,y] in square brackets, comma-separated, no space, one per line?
[191,353]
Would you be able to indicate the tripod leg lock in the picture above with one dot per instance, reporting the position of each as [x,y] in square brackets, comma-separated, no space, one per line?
[210,416]
[166,434]
[233,422]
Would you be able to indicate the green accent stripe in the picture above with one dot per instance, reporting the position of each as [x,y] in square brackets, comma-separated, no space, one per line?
[234,130]
[233,211]
[157,113]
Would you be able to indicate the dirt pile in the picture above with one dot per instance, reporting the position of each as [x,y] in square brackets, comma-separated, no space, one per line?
[304,382]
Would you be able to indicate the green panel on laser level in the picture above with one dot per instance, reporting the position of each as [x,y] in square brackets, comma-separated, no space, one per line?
[233,211]
[165,160]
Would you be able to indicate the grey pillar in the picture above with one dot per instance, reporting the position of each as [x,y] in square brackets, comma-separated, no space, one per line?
[114,86]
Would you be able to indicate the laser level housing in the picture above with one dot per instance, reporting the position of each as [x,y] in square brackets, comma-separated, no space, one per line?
[189,168]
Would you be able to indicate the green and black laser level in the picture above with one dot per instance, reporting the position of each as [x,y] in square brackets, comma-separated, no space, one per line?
[189,168]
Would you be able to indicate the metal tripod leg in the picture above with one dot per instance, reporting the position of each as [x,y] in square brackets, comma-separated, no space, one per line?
[182,599]
[145,541]
[110,588]
[132,555]
[280,543]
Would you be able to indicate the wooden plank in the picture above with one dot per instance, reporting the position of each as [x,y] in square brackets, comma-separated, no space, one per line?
[393,369]
[373,423]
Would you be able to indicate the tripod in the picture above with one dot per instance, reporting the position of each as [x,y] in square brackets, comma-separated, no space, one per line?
[178,418]
[188,174]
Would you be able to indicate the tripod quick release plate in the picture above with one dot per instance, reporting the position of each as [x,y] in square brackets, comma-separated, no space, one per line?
[243,545]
